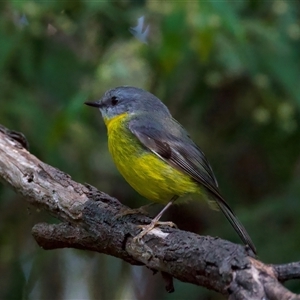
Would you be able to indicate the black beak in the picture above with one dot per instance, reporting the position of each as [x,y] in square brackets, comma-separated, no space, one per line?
[94,104]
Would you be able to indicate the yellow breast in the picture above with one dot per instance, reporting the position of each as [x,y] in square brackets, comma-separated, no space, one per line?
[148,174]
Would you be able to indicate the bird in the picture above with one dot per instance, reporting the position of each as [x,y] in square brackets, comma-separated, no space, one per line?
[156,155]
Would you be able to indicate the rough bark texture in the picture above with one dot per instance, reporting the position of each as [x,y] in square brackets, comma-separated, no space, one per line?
[90,221]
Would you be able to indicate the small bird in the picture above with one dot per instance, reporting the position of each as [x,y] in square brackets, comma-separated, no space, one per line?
[155,154]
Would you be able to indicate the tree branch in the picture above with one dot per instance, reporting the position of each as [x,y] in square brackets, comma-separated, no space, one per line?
[90,222]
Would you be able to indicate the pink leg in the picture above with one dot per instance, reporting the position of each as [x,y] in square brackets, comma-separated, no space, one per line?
[155,221]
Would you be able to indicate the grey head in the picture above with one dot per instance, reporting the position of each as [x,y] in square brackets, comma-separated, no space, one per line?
[128,99]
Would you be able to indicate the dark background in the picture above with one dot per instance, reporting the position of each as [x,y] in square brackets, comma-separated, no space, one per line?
[228,71]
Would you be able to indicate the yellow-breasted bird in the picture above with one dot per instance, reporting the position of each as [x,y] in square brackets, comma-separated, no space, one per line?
[155,154]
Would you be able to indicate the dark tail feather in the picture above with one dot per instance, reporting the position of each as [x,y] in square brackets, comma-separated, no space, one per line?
[237,225]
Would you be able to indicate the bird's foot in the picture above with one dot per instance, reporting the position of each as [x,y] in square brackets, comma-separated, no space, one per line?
[147,228]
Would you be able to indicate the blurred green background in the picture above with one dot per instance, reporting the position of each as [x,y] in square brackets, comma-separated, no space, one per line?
[230,73]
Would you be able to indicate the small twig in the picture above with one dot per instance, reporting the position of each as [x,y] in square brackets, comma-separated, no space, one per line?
[287,271]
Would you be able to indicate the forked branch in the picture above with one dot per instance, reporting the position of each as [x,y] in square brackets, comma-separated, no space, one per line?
[89,222]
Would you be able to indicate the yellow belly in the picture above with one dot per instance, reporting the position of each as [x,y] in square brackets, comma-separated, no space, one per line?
[149,175]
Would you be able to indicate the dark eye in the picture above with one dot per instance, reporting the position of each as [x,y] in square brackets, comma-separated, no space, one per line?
[114,100]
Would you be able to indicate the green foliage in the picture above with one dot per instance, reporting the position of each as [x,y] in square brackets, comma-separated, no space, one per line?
[229,72]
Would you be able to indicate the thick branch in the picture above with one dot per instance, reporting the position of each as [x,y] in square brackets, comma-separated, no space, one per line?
[90,222]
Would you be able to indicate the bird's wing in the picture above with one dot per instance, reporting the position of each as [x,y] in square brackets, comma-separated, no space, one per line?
[177,149]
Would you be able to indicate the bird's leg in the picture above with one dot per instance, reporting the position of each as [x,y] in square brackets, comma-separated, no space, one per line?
[155,221]
[132,211]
